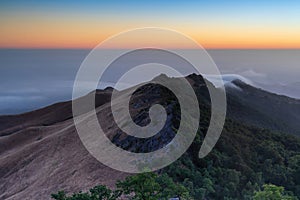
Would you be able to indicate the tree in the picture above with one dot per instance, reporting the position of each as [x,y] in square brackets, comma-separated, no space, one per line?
[150,186]
[273,192]
[139,187]
[99,192]
[145,186]
[61,195]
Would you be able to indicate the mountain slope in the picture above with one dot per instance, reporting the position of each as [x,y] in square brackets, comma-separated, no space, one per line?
[46,116]
[40,151]
[263,109]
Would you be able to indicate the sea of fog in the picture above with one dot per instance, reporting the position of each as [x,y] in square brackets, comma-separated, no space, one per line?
[30,79]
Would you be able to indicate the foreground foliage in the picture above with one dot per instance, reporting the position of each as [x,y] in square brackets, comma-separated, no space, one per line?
[146,186]
[273,192]
[150,186]
[244,159]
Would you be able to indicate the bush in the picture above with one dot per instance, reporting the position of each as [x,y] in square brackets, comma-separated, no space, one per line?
[143,186]
[273,192]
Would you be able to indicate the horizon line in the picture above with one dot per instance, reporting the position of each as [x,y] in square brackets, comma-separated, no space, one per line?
[86,48]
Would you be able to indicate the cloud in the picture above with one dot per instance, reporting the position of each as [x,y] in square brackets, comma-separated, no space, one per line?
[253,74]
[13,99]
[227,80]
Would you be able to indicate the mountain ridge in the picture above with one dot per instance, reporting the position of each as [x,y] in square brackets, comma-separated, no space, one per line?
[44,154]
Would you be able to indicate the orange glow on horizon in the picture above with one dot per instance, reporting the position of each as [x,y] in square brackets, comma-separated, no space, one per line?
[90,41]
[80,34]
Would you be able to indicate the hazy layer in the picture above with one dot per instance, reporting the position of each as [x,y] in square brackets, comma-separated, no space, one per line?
[30,79]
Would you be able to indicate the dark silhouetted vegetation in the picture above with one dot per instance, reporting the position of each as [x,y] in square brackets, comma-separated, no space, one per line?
[145,186]
[273,192]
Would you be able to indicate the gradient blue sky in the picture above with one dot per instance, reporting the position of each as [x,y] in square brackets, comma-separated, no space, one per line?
[215,24]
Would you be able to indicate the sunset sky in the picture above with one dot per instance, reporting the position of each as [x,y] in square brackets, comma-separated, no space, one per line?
[214,24]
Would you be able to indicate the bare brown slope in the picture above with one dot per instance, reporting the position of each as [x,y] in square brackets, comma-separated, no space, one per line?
[38,161]
[41,153]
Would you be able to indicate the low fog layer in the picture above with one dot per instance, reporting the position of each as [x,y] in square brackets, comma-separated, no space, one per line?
[30,79]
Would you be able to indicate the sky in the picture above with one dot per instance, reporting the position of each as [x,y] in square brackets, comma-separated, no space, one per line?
[213,24]
[31,78]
